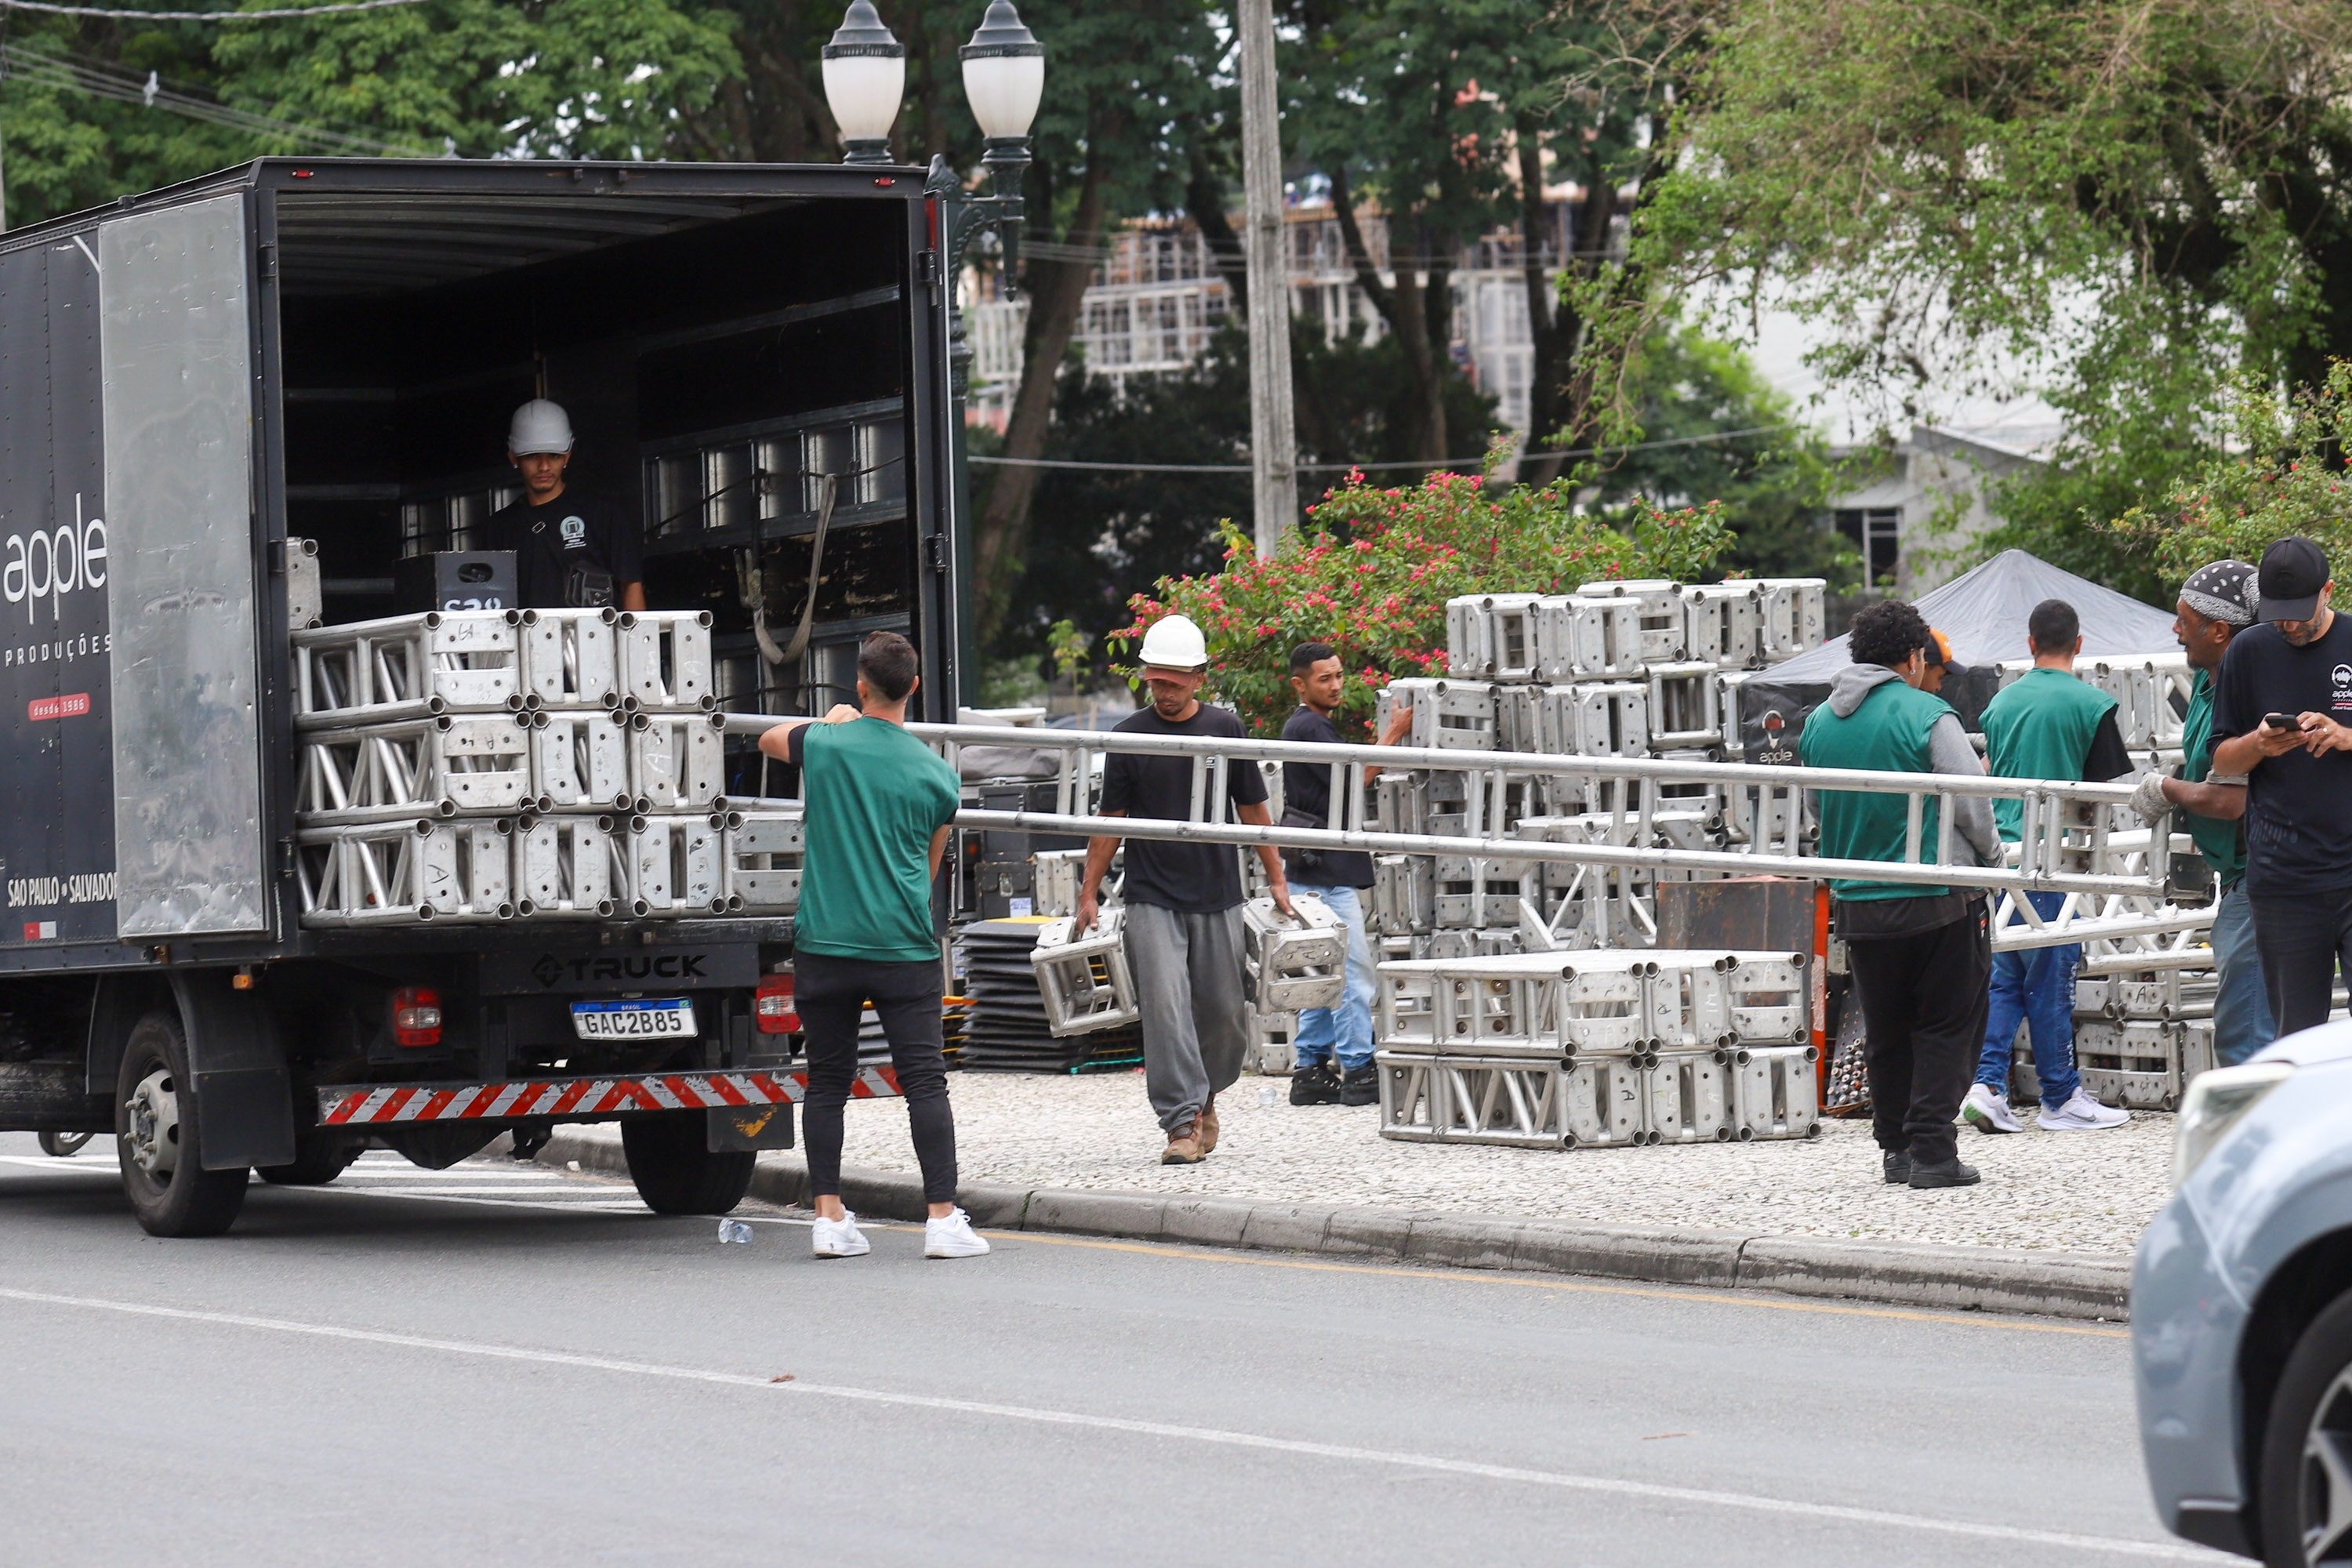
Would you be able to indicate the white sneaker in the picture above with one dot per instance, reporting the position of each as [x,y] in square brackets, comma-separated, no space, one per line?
[1987,1110]
[2082,1114]
[952,1237]
[838,1238]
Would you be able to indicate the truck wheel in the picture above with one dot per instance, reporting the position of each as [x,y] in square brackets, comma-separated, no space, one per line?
[63,1145]
[318,1158]
[674,1170]
[158,1138]
[2305,1501]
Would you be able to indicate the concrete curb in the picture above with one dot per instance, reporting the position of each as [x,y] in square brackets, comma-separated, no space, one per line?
[1949,1278]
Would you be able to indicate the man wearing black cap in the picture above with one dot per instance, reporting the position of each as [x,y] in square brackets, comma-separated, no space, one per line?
[2216,604]
[2283,703]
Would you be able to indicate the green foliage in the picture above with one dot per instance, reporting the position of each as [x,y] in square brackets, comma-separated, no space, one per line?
[2283,472]
[1772,476]
[1372,569]
[2126,198]
[1101,533]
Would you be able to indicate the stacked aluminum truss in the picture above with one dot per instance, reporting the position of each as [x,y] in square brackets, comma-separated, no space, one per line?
[488,765]
[1613,1048]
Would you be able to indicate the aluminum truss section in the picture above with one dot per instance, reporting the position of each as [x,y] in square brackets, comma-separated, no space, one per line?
[407,872]
[564,866]
[763,849]
[664,660]
[1288,966]
[406,667]
[580,761]
[1083,977]
[440,766]
[570,657]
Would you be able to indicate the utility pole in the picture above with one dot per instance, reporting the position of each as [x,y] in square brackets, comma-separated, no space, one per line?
[1274,441]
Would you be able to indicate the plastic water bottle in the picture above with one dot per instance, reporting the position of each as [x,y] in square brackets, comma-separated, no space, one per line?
[734,1230]
[1265,1094]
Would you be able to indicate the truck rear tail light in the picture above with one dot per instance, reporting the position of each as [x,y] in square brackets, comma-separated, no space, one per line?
[773,1007]
[416,1015]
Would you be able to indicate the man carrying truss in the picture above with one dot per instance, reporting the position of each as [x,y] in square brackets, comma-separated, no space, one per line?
[1184,900]
[1921,953]
[2045,724]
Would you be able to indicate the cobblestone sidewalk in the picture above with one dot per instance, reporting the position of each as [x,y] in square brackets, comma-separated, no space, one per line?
[2071,1192]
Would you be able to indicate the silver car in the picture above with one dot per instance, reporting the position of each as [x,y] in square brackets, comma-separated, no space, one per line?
[2242,1310]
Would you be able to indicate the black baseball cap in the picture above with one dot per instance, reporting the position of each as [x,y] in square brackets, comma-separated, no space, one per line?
[2294,571]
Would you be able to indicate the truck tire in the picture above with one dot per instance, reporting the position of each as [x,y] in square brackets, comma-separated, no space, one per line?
[158,1138]
[2301,1496]
[675,1171]
[318,1158]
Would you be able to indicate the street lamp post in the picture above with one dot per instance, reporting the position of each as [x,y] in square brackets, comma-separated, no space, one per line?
[865,78]
[1003,79]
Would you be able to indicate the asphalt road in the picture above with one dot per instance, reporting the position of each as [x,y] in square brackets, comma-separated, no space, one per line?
[503,1364]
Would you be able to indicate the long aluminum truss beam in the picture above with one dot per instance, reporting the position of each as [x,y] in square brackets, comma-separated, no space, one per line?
[2065,845]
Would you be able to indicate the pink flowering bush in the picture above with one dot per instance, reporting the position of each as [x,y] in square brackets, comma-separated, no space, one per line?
[1370,571]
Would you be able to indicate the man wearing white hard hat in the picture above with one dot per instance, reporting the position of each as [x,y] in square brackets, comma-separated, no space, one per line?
[573,551]
[1184,900]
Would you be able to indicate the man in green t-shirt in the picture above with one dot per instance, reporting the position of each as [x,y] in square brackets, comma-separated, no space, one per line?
[1918,951]
[2048,724]
[877,806]
[2217,601]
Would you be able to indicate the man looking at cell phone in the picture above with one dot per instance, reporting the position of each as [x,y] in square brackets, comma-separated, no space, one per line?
[2284,702]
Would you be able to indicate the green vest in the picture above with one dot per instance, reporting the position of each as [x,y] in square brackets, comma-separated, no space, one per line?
[2223,844]
[2040,726]
[1888,734]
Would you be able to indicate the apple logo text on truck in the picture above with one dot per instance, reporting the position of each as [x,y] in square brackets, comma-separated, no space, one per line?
[47,565]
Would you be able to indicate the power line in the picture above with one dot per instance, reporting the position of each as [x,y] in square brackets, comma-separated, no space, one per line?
[39,69]
[201,16]
[1710,436]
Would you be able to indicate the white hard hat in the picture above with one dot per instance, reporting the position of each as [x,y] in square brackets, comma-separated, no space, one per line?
[540,427]
[1175,642]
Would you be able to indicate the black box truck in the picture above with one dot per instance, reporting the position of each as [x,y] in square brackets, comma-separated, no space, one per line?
[231,409]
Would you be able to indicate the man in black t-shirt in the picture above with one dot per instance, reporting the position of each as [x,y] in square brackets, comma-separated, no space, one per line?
[1337,877]
[572,550]
[1184,900]
[2282,718]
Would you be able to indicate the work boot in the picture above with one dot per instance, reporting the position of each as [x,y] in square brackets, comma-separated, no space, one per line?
[1361,1086]
[1948,1174]
[1898,1167]
[1314,1085]
[1207,1127]
[1184,1145]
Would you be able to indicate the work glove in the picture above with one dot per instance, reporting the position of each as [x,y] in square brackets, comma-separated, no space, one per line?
[2148,799]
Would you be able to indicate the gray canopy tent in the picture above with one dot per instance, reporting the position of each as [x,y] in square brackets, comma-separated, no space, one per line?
[1983,614]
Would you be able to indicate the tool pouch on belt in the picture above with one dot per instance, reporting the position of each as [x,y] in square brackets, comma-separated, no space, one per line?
[587,587]
[1302,860]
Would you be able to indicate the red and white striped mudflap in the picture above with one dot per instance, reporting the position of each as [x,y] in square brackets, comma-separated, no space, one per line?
[351,1105]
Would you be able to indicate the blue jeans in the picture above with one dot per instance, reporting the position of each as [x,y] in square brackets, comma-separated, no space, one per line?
[2034,987]
[2242,1004]
[1346,1030]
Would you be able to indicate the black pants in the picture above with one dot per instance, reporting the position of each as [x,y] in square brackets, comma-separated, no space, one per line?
[1924,1000]
[2303,938]
[831,994]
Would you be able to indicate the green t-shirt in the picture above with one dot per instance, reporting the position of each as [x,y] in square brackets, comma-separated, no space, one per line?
[2040,726]
[874,796]
[2223,844]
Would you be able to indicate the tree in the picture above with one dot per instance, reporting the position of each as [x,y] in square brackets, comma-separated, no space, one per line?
[1126,78]
[1718,431]
[2130,196]
[1117,529]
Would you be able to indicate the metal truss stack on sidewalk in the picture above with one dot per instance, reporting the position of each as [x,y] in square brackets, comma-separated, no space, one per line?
[1599,1048]
[502,764]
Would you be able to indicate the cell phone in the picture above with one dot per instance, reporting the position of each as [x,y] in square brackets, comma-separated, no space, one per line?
[2279,720]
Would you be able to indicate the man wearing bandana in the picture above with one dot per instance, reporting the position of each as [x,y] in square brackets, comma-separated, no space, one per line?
[2218,601]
